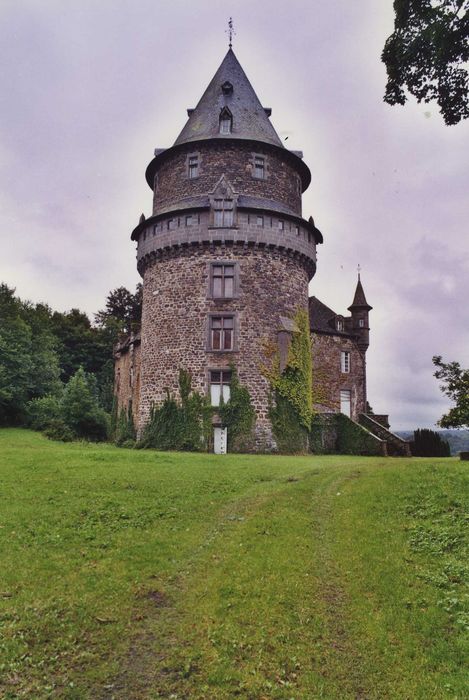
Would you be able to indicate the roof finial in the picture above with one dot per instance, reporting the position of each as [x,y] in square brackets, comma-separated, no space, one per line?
[358,270]
[230,31]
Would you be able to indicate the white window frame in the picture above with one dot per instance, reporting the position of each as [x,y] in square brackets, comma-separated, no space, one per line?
[220,388]
[345,361]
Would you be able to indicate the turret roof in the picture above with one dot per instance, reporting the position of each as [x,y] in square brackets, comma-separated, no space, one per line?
[359,300]
[231,89]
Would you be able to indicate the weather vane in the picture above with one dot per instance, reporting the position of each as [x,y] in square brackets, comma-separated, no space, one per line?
[358,270]
[230,31]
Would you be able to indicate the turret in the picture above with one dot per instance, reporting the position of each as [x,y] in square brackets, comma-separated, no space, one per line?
[359,309]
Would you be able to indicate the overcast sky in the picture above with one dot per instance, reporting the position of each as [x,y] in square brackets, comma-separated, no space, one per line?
[90,87]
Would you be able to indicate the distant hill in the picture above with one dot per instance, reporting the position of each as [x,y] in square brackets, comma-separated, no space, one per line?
[458,439]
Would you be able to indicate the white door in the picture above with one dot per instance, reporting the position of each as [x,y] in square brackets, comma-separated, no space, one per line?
[346,402]
[220,436]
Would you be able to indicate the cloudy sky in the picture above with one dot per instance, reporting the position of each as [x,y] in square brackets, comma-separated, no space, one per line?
[89,88]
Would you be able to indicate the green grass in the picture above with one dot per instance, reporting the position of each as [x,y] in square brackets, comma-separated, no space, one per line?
[142,575]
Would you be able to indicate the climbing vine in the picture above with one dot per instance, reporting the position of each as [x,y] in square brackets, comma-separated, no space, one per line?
[179,426]
[238,416]
[291,409]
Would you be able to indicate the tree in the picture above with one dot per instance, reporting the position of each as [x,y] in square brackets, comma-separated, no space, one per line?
[80,409]
[426,54]
[455,384]
[123,310]
[428,443]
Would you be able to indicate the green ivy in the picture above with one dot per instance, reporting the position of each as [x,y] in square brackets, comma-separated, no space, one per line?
[290,435]
[291,408]
[184,426]
[352,439]
[238,416]
[124,433]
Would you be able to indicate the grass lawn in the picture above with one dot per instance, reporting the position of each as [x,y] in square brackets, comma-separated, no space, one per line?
[141,575]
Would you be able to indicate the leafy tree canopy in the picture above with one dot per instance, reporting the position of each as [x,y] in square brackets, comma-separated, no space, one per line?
[455,384]
[426,54]
[123,310]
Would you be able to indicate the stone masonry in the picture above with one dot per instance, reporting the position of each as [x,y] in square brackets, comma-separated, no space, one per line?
[227,195]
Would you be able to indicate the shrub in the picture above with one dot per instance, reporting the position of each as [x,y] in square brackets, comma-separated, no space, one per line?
[58,430]
[41,412]
[81,411]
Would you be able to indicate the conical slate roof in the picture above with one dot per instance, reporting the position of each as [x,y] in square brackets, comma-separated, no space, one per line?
[229,88]
[359,300]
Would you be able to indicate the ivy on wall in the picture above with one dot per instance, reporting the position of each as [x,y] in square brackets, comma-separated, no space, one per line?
[179,426]
[238,416]
[291,409]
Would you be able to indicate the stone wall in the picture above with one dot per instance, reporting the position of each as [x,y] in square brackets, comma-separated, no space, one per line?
[235,161]
[329,380]
[175,325]
[127,372]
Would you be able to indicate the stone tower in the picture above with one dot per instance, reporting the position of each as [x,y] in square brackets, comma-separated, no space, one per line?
[226,256]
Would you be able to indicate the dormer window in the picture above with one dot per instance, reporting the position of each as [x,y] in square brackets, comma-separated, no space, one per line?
[340,324]
[223,212]
[226,121]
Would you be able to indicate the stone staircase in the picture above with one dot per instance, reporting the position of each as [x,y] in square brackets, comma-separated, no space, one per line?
[395,446]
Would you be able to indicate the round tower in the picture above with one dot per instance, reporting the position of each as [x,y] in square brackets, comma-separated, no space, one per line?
[226,254]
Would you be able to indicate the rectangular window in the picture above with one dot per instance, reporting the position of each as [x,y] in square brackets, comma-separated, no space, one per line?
[223,212]
[340,325]
[259,167]
[221,332]
[281,225]
[345,362]
[361,323]
[219,386]
[223,281]
[171,224]
[260,221]
[297,230]
[193,167]
[189,220]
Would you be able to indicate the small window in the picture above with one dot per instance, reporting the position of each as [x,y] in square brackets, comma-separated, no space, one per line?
[223,281]
[260,221]
[297,230]
[226,121]
[189,220]
[223,212]
[361,323]
[345,362]
[259,167]
[219,386]
[171,224]
[193,167]
[221,332]
[300,189]
[340,324]
[281,225]
[225,125]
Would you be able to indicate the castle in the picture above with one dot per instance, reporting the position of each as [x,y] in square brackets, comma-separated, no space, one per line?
[226,258]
